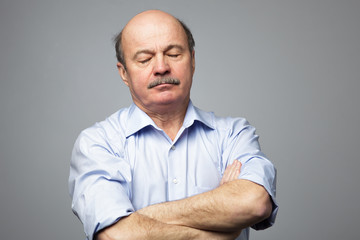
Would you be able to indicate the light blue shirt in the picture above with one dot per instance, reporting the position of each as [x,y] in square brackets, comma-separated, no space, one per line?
[126,163]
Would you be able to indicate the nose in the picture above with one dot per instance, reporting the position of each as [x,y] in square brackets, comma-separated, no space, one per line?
[161,66]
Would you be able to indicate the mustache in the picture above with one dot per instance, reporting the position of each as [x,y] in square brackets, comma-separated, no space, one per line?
[167,80]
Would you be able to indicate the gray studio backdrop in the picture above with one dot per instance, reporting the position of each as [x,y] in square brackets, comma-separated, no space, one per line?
[292,68]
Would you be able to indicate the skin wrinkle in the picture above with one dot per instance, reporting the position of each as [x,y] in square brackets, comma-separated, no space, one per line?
[151,52]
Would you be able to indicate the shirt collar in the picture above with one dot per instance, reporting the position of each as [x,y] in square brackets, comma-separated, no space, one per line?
[138,119]
[195,114]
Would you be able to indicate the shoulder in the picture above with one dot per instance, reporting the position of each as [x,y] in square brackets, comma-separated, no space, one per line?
[224,128]
[216,122]
[230,125]
[222,125]
[108,131]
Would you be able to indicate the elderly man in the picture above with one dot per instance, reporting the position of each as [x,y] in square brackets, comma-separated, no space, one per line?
[162,168]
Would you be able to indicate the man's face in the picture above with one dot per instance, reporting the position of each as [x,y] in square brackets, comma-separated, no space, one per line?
[154,49]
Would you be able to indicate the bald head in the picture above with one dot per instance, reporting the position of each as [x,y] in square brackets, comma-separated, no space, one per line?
[150,17]
[150,20]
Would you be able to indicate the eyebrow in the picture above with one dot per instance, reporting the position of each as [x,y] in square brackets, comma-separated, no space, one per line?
[168,48]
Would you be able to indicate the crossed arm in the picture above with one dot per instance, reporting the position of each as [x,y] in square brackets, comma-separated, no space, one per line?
[218,214]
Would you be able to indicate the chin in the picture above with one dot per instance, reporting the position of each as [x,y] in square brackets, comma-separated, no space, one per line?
[168,101]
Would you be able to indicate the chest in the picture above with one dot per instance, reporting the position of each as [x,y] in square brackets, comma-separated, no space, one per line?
[163,170]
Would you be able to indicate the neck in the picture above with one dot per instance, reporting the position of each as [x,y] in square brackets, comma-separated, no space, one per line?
[169,118]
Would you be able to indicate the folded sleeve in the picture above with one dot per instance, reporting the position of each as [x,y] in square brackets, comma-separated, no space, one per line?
[99,181]
[242,144]
[262,172]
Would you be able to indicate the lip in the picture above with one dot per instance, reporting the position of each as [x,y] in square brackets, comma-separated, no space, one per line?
[164,86]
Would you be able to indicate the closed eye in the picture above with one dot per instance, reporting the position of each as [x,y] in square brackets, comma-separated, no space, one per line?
[173,55]
[144,60]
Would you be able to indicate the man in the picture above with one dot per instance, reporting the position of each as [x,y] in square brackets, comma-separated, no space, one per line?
[163,169]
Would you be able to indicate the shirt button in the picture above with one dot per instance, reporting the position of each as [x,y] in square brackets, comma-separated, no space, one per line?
[175,181]
[173,147]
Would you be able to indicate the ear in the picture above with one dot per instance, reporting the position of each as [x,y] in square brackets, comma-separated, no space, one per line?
[123,73]
[193,61]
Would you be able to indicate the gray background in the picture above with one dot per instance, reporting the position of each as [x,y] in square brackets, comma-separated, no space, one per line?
[292,68]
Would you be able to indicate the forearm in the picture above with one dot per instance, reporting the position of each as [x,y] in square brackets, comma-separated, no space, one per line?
[138,226]
[228,208]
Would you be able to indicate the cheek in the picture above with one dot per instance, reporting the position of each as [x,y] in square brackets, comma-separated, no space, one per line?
[139,78]
[187,76]
[184,71]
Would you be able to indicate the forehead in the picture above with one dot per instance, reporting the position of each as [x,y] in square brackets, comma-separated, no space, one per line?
[153,34]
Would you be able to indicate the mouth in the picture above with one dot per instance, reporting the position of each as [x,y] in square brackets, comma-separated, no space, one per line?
[160,81]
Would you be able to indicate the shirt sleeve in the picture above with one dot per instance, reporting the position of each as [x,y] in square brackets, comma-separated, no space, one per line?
[98,182]
[242,144]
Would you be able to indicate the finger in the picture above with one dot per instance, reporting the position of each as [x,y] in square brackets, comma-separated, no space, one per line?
[231,172]
[235,170]
[227,174]
[238,169]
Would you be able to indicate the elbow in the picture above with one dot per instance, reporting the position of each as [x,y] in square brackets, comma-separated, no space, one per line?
[126,228]
[101,236]
[104,234]
[263,209]
[260,208]
[255,207]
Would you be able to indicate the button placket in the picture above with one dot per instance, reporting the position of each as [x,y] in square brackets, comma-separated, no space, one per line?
[177,170]
[174,180]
